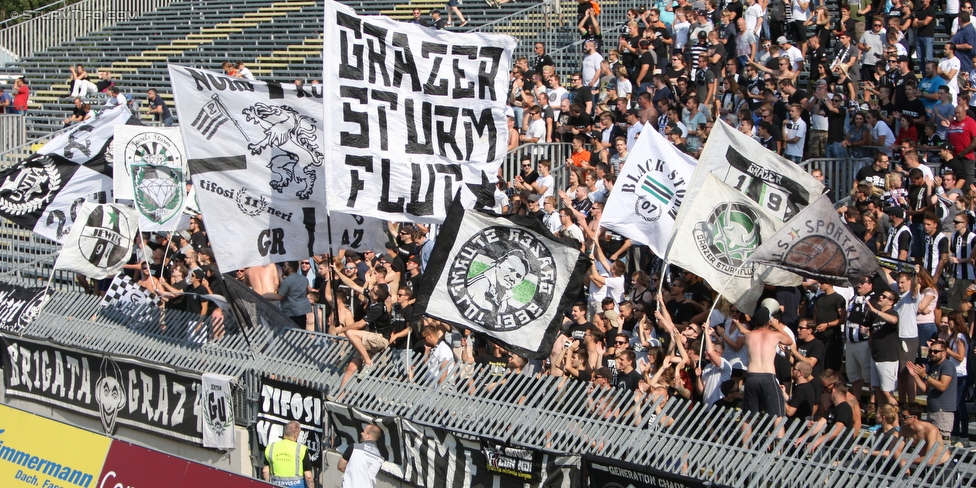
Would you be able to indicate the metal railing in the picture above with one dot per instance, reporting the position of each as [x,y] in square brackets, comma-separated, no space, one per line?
[59,22]
[13,131]
[14,154]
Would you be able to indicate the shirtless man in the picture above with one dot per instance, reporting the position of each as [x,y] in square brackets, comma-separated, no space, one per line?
[262,279]
[915,429]
[762,393]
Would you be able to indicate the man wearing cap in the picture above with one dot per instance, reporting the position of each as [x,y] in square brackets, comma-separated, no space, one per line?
[899,77]
[899,243]
[762,392]
[791,52]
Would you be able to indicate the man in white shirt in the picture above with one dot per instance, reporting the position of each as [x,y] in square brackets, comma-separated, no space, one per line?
[790,51]
[634,127]
[881,134]
[591,65]
[794,134]
[754,17]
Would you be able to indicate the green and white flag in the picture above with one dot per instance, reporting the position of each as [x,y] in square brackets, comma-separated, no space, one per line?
[151,171]
[715,236]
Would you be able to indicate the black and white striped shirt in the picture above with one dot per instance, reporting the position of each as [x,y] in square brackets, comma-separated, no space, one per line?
[935,247]
[961,247]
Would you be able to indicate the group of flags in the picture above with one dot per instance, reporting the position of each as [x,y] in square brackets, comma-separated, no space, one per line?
[739,217]
[263,168]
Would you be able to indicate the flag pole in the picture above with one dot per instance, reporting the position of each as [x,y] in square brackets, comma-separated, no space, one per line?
[47,286]
[701,347]
[335,299]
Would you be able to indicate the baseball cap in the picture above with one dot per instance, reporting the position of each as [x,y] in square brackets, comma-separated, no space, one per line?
[391,245]
[903,59]
[414,259]
[821,82]
[199,274]
[534,197]
[782,40]
[895,212]
[634,112]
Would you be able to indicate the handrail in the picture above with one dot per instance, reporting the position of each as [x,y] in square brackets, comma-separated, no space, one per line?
[46,28]
[27,145]
[508,18]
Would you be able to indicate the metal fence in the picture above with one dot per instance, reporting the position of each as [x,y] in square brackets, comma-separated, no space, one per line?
[13,131]
[29,32]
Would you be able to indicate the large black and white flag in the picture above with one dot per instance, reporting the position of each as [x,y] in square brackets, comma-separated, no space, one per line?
[256,151]
[150,169]
[101,240]
[19,306]
[505,277]
[412,115]
[43,193]
[780,187]
[817,244]
[651,186]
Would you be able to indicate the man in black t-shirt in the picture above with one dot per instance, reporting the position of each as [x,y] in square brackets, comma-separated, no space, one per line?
[370,335]
[800,403]
[830,311]
[808,348]
[839,417]
[627,376]
[875,173]
[496,359]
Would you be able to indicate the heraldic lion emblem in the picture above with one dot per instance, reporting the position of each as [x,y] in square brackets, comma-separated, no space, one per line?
[293,134]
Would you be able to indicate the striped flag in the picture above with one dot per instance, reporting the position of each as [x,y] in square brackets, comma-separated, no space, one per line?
[649,191]
[211,117]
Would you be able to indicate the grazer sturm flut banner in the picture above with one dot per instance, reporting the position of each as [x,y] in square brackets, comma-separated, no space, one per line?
[100,241]
[599,472]
[19,306]
[281,403]
[116,391]
[651,186]
[817,244]
[43,193]
[413,115]
[505,277]
[714,238]
[256,152]
[150,169]
[780,187]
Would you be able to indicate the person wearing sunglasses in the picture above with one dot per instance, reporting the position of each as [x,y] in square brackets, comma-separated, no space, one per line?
[884,347]
[939,384]
[914,429]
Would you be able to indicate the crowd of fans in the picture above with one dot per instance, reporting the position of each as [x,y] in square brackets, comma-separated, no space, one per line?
[835,357]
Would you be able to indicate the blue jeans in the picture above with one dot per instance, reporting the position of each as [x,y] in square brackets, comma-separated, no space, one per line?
[836,150]
[924,47]
[960,426]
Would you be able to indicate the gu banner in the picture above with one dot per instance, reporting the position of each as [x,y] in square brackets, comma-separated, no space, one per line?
[281,403]
[19,306]
[505,277]
[150,169]
[715,236]
[255,151]
[117,391]
[649,191]
[817,244]
[413,115]
[218,411]
[43,193]
[100,241]
[780,187]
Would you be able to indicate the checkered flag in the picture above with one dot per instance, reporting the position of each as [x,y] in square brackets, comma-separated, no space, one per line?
[125,293]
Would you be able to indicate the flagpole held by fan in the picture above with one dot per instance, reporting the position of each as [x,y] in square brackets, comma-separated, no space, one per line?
[701,347]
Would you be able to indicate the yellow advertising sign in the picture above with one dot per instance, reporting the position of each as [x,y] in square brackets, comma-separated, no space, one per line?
[35,451]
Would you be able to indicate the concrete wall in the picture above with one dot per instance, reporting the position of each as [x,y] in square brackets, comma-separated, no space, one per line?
[237,460]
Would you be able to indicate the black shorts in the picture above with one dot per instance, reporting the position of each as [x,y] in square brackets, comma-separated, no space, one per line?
[798,31]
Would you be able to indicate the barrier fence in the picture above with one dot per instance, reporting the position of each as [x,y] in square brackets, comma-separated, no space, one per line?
[13,131]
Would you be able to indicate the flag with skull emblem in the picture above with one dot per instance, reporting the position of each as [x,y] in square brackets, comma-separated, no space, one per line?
[505,277]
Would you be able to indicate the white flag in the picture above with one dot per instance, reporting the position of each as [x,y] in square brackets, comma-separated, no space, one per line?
[255,152]
[780,187]
[714,237]
[218,411]
[652,184]
[412,115]
[150,170]
[100,241]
